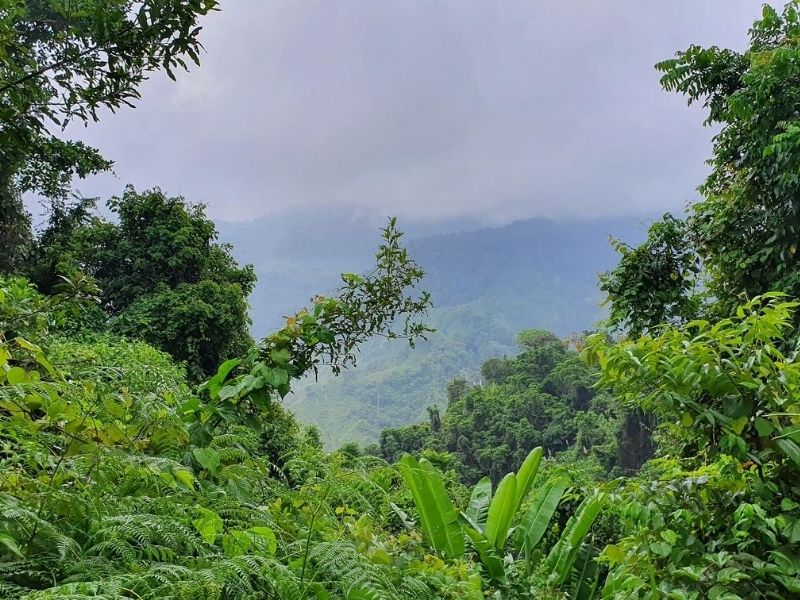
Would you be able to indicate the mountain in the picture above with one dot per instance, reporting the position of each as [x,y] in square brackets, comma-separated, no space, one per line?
[300,253]
[487,284]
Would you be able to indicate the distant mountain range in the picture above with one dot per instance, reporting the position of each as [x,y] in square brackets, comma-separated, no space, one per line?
[487,284]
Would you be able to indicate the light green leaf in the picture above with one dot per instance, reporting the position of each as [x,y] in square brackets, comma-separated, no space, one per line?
[501,511]
[479,504]
[526,474]
[438,516]
[562,556]
[208,458]
[208,525]
[537,517]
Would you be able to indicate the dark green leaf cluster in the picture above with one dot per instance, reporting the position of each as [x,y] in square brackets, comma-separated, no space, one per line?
[163,277]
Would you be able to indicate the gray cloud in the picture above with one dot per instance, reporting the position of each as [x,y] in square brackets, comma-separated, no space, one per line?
[427,108]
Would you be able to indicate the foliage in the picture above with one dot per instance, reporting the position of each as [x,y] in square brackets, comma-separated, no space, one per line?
[744,230]
[486,286]
[487,521]
[655,282]
[721,521]
[65,61]
[163,277]
[118,479]
[543,396]
[745,226]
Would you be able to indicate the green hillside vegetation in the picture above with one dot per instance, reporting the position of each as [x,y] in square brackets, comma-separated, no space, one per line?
[542,397]
[134,471]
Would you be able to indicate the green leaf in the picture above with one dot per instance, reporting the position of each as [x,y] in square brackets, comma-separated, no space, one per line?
[661,548]
[536,519]
[501,511]
[669,536]
[763,427]
[719,592]
[790,449]
[17,375]
[479,504]
[526,474]
[585,574]
[208,525]
[264,539]
[213,385]
[489,558]
[562,556]
[208,458]
[613,554]
[438,516]
[280,356]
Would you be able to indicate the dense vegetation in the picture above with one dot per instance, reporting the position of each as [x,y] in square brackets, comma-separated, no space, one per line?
[120,477]
[542,397]
[161,276]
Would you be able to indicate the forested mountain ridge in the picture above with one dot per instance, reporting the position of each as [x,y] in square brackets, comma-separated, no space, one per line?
[486,285]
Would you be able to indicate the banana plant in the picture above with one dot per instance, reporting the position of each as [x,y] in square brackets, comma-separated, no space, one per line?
[562,556]
[479,501]
[487,521]
[438,517]
[585,574]
[536,519]
[489,517]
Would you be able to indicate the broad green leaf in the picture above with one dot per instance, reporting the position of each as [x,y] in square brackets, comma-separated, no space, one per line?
[185,477]
[562,556]
[438,517]
[501,511]
[214,384]
[526,474]
[479,504]
[488,555]
[208,458]
[790,449]
[17,375]
[208,525]
[263,539]
[537,517]
[280,356]
[585,574]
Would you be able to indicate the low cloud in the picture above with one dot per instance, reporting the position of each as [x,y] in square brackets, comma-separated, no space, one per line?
[500,110]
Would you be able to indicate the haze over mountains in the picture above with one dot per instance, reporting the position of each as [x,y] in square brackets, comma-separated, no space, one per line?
[487,284]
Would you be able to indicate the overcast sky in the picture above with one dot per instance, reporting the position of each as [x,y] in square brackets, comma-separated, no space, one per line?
[427,108]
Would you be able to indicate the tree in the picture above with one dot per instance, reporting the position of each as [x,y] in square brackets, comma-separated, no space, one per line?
[543,396]
[746,226]
[744,231]
[655,282]
[65,61]
[163,277]
[723,504]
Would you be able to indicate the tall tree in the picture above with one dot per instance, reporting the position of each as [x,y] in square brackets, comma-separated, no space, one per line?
[745,229]
[66,60]
[163,277]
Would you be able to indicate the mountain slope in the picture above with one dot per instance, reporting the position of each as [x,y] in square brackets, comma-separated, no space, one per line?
[486,284]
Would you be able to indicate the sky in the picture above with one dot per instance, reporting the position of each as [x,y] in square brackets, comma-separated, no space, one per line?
[426,109]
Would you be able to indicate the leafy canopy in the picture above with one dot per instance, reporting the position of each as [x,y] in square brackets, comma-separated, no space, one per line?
[62,61]
[163,276]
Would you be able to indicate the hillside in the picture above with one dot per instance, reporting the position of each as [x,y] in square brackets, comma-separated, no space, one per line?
[487,284]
